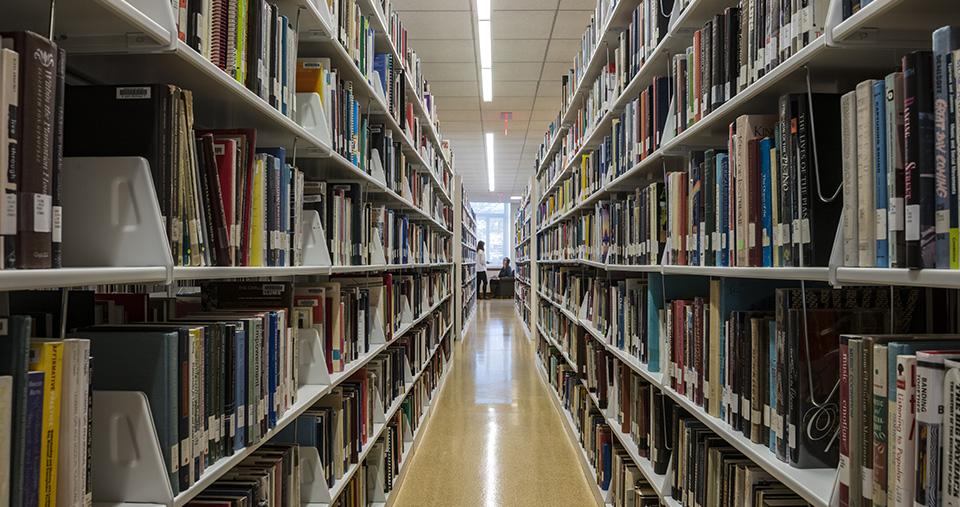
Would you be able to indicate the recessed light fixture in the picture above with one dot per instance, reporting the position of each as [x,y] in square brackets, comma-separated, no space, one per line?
[490,165]
[486,48]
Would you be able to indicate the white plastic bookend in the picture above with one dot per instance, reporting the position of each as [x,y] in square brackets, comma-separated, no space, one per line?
[670,127]
[407,440]
[375,462]
[312,117]
[313,360]
[377,256]
[376,167]
[582,311]
[379,411]
[378,89]
[378,334]
[674,14]
[836,255]
[112,215]
[126,453]
[406,316]
[407,373]
[668,480]
[326,17]
[315,251]
[313,484]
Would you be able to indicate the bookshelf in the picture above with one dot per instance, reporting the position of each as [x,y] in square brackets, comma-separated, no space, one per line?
[465,244]
[867,44]
[523,295]
[115,238]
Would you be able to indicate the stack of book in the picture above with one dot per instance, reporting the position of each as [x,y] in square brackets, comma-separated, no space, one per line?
[271,475]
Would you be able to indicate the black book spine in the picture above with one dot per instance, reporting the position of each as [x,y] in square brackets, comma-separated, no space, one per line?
[56,228]
[784,147]
[731,65]
[914,158]
[926,164]
[183,479]
[717,61]
[803,170]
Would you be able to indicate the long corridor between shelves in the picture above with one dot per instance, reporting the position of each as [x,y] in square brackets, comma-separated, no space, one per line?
[495,438]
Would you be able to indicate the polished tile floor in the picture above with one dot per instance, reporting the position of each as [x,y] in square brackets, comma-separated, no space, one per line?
[495,438]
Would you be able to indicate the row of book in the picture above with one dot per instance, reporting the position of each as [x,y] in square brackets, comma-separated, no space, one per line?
[904,211]
[233,367]
[250,41]
[752,204]
[338,428]
[31,150]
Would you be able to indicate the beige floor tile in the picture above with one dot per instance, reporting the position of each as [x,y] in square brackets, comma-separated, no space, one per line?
[495,438]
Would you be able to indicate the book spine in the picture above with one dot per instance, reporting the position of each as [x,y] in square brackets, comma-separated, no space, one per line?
[929,402]
[48,358]
[926,165]
[879,375]
[71,461]
[945,40]
[848,129]
[32,463]
[912,81]
[56,220]
[951,436]
[34,178]
[866,221]
[880,173]
[904,432]
[895,211]
[843,474]
[9,135]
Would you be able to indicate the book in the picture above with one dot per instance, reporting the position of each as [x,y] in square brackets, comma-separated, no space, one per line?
[893,86]
[929,414]
[904,434]
[36,125]
[880,173]
[866,220]
[30,467]
[918,163]
[6,431]
[14,362]
[951,433]
[9,139]
[47,357]
[945,41]
[851,197]
[73,446]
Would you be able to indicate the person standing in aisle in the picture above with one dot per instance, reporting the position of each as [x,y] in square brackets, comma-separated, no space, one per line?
[481,271]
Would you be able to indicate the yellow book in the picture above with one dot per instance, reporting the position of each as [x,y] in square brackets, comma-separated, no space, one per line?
[47,356]
[311,75]
[258,230]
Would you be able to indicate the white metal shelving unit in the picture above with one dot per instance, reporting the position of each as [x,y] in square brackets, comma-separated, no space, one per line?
[865,45]
[131,41]
[465,248]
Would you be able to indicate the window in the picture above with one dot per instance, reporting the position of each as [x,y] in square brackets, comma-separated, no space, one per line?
[493,224]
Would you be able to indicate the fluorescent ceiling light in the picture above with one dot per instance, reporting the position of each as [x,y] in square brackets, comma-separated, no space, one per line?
[515,197]
[483,9]
[487,78]
[486,46]
[490,160]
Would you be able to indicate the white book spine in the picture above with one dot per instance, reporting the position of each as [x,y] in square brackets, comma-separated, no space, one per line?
[951,435]
[903,426]
[866,216]
[848,130]
[72,453]
[929,425]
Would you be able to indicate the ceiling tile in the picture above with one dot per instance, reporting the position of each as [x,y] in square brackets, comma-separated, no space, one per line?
[543,103]
[571,24]
[437,71]
[555,71]
[461,115]
[454,88]
[522,24]
[576,4]
[508,103]
[519,50]
[514,88]
[563,50]
[510,71]
[445,50]
[439,24]
[550,88]
[432,5]
[456,103]
[524,5]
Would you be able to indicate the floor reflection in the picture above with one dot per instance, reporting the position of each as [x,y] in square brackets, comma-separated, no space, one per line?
[495,438]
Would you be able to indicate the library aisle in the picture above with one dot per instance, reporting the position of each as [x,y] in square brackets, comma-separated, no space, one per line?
[495,438]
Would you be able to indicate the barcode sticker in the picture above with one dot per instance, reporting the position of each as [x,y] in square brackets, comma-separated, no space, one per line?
[42,212]
[881,224]
[133,92]
[185,454]
[8,222]
[896,214]
[57,232]
[752,235]
[792,440]
[913,222]
[942,221]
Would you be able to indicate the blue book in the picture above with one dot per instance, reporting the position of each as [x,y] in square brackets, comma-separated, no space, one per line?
[945,40]
[286,231]
[766,202]
[607,465]
[723,163]
[654,303]
[880,165]
[273,374]
[31,462]
[284,68]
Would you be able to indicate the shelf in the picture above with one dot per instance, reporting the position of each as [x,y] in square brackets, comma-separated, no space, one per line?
[22,279]
[901,22]
[571,429]
[817,274]
[946,278]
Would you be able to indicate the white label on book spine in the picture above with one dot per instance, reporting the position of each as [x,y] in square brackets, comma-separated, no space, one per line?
[233,424]
[174,458]
[804,231]
[866,474]
[881,224]
[185,454]
[241,416]
[792,440]
[896,214]
[57,232]
[752,235]
[744,405]
[942,221]
[42,212]
[8,224]
[913,222]
[133,92]
[766,416]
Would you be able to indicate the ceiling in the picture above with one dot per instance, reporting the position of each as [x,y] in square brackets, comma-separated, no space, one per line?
[534,42]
